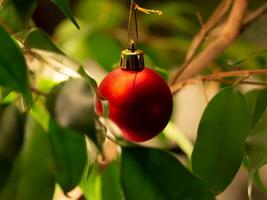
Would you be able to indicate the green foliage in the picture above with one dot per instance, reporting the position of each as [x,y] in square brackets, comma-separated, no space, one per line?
[78,97]
[220,145]
[11,138]
[155,174]
[111,177]
[70,155]
[13,68]
[32,176]
[64,6]
[36,38]
[256,141]
[103,183]
[16,14]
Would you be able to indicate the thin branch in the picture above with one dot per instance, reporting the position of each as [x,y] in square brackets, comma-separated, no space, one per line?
[253,16]
[219,77]
[227,36]
[214,19]
[248,20]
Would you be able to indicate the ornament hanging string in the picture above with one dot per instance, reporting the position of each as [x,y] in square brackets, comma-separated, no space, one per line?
[133,22]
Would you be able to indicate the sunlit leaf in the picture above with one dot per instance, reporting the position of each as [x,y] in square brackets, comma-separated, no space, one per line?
[155,174]
[13,68]
[64,6]
[11,138]
[32,175]
[36,38]
[70,155]
[220,144]
[91,185]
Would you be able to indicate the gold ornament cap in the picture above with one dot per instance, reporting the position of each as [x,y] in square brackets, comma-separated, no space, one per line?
[132,58]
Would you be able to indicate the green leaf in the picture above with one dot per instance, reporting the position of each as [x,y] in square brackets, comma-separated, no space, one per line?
[71,103]
[37,38]
[256,142]
[13,68]
[88,78]
[16,14]
[260,106]
[64,6]
[111,176]
[32,175]
[104,49]
[11,139]
[251,98]
[155,174]
[91,185]
[220,144]
[70,155]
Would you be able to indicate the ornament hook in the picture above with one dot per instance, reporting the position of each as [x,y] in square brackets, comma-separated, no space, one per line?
[132,27]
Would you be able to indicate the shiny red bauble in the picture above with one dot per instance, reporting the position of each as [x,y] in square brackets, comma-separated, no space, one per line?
[140,102]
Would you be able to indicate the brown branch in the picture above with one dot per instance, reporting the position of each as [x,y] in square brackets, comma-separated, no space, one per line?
[219,77]
[248,20]
[253,16]
[214,19]
[227,36]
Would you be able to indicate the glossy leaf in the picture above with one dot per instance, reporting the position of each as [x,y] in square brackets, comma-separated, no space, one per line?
[71,103]
[11,139]
[32,175]
[155,174]
[16,14]
[64,6]
[251,98]
[88,78]
[91,185]
[111,177]
[13,68]
[36,38]
[257,144]
[220,144]
[70,155]
[260,106]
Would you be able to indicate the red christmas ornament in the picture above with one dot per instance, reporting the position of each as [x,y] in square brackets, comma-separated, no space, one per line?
[140,101]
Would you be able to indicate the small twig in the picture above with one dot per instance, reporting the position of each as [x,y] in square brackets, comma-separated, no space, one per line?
[240,80]
[253,16]
[214,19]
[213,50]
[200,19]
[248,20]
[219,77]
